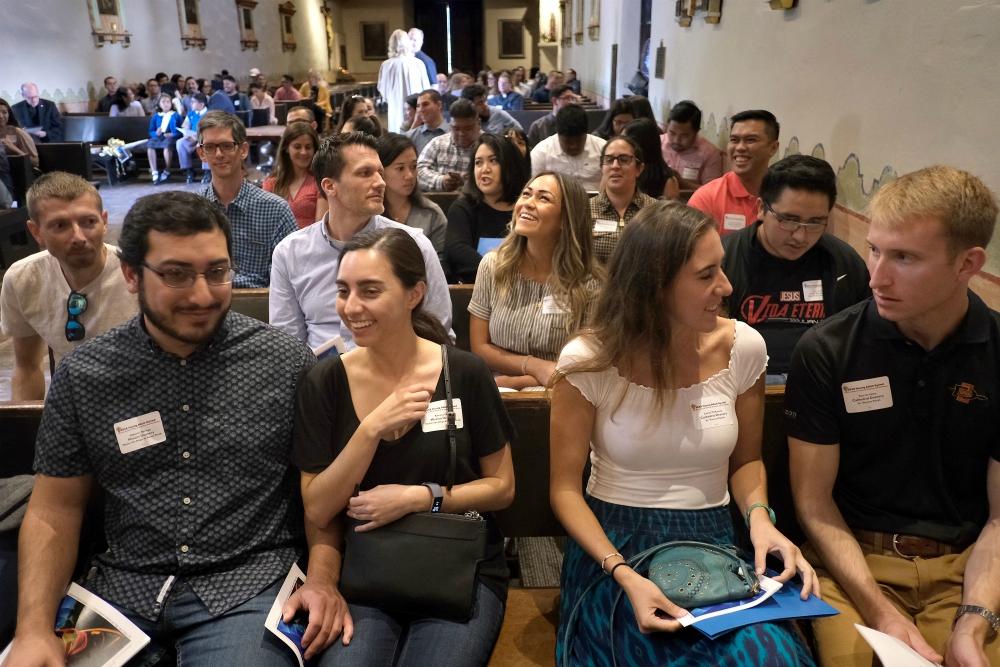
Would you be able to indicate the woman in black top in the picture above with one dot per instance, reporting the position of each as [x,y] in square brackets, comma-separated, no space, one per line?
[358,423]
[620,113]
[496,175]
[657,178]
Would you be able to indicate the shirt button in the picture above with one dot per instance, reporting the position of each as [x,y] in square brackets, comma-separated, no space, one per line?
[186,455]
[184,362]
[920,383]
[184,549]
[187,501]
[185,408]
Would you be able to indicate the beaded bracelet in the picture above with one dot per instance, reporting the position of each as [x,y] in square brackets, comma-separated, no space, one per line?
[524,370]
[609,556]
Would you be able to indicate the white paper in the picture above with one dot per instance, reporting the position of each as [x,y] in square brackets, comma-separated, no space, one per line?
[335,345]
[289,633]
[712,411]
[552,307]
[690,174]
[812,290]
[891,651]
[605,225]
[734,221]
[867,395]
[108,638]
[436,417]
[139,432]
[767,585]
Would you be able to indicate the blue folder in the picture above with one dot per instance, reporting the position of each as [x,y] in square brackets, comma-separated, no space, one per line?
[487,244]
[785,604]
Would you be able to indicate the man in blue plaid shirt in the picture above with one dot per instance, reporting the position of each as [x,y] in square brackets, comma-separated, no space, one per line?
[259,219]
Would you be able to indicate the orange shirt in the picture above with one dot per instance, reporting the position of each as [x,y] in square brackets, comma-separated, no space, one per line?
[727,200]
[304,203]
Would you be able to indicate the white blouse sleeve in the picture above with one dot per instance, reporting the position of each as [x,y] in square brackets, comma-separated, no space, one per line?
[749,357]
[593,386]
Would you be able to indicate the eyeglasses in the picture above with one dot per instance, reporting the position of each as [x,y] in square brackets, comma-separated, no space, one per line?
[624,159]
[180,278]
[76,305]
[814,226]
[225,147]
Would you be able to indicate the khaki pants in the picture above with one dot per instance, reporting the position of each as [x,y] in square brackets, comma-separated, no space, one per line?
[926,591]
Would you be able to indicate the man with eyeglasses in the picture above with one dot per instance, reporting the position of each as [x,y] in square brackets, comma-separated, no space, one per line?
[259,219]
[183,417]
[572,151]
[787,273]
[444,161]
[70,292]
[545,127]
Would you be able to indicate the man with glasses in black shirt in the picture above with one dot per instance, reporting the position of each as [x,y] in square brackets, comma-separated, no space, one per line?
[787,273]
[893,417]
[183,416]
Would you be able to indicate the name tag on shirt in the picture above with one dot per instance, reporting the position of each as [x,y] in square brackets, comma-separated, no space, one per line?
[712,411]
[812,290]
[436,417]
[867,395]
[551,307]
[689,173]
[734,221]
[139,432]
[605,225]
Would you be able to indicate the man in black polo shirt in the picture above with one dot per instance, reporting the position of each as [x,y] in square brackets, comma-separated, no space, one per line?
[893,416]
[787,274]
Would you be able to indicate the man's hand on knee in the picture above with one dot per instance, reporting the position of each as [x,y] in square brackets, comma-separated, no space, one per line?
[329,616]
[36,650]
[965,644]
[896,625]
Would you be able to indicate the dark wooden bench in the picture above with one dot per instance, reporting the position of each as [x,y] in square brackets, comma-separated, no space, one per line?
[73,157]
[23,175]
[16,242]
[97,129]
[443,199]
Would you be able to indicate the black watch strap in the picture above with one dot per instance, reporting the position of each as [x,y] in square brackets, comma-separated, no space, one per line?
[437,493]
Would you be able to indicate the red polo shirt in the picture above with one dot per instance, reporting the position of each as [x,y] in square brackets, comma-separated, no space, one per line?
[727,200]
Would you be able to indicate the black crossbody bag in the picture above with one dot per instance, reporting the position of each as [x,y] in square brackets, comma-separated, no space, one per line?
[423,564]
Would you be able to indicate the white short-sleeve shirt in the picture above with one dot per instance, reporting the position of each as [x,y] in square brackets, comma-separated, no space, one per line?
[671,457]
[34,294]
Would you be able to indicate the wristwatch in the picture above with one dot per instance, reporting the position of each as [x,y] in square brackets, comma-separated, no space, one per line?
[990,617]
[437,493]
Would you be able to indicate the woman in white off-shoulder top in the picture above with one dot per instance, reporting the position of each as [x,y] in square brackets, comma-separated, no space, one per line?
[666,399]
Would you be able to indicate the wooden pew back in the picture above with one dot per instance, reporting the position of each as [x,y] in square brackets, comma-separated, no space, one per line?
[72,157]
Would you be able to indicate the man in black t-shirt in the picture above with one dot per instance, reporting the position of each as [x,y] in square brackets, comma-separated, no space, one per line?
[893,417]
[787,274]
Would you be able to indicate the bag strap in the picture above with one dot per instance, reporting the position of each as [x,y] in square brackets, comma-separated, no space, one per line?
[631,562]
[450,479]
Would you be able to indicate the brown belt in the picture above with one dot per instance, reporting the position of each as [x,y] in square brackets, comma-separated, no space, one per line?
[904,546]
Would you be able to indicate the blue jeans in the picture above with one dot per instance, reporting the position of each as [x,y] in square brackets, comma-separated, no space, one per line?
[776,379]
[382,639]
[236,637]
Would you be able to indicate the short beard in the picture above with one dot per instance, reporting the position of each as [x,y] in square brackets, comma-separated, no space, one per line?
[160,322]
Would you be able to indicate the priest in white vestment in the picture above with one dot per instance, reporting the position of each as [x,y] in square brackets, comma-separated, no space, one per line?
[402,75]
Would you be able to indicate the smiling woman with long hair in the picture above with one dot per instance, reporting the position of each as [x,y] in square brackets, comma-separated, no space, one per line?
[292,179]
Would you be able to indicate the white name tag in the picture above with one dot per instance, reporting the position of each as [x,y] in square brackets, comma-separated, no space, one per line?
[712,411]
[689,173]
[812,290]
[734,221]
[867,395]
[605,225]
[139,432]
[436,417]
[551,307]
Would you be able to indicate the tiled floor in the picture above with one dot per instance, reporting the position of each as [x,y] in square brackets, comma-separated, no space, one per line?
[117,201]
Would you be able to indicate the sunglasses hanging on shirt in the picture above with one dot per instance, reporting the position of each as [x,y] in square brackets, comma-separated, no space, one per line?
[76,305]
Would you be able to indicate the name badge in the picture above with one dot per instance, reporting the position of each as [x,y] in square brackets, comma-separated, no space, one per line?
[812,290]
[867,395]
[551,307]
[605,225]
[734,221]
[139,432]
[436,417]
[712,411]
[689,173]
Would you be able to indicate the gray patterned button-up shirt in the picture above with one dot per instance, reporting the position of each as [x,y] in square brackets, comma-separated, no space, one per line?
[259,220]
[215,503]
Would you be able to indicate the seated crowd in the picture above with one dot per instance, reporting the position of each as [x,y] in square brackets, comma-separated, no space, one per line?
[655,325]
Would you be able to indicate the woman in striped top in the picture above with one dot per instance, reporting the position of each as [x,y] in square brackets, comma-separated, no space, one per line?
[538,286]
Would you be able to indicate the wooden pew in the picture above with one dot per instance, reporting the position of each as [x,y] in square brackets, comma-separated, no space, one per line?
[16,241]
[73,157]
[251,302]
[443,199]
[23,175]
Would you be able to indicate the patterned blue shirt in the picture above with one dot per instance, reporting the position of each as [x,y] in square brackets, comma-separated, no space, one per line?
[259,220]
[215,502]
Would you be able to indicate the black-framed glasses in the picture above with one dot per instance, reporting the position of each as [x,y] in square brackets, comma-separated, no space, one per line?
[814,226]
[180,278]
[76,305]
[224,146]
[624,159]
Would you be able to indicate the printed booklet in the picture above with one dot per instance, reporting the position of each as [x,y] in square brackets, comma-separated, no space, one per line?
[335,345]
[93,633]
[290,633]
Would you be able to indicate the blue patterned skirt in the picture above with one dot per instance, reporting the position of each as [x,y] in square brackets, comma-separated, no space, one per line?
[633,530]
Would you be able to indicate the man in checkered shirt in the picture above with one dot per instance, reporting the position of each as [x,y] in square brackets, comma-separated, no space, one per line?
[445,160]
